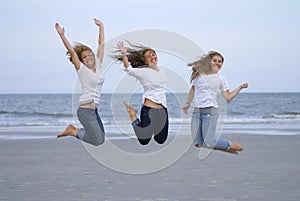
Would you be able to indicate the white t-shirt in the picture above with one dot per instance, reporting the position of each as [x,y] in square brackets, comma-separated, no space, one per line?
[91,83]
[207,88]
[154,83]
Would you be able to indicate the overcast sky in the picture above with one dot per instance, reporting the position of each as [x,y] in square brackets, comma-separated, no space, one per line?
[258,38]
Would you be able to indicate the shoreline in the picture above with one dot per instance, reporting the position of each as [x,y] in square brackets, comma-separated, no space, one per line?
[7,135]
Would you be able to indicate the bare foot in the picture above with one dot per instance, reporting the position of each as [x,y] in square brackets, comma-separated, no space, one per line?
[131,111]
[236,146]
[231,151]
[69,131]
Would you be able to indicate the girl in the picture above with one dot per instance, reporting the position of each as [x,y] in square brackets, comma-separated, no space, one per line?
[88,68]
[206,83]
[141,63]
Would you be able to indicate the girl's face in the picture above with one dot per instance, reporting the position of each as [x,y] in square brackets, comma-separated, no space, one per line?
[88,58]
[216,62]
[150,58]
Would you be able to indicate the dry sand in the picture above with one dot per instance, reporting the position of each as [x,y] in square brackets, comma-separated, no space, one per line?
[52,169]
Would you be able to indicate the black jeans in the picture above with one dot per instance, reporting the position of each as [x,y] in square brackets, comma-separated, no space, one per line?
[153,121]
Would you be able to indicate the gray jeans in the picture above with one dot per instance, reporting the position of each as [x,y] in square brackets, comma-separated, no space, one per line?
[93,130]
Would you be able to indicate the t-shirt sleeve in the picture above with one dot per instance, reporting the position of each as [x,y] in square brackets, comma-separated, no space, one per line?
[98,63]
[128,69]
[225,85]
[81,68]
[132,71]
[193,82]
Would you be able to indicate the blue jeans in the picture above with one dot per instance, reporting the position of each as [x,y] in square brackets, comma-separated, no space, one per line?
[203,127]
[153,121]
[93,130]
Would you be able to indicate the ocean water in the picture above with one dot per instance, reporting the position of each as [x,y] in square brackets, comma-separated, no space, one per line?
[31,115]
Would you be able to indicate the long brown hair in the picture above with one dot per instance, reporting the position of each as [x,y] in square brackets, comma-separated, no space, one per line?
[135,55]
[79,48]
[203,64]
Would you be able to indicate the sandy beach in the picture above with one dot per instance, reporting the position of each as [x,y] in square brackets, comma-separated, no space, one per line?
[52,169]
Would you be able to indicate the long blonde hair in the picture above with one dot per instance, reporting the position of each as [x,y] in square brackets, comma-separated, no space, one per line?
[203,64]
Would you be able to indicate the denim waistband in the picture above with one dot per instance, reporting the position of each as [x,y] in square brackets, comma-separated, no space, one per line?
[206,110]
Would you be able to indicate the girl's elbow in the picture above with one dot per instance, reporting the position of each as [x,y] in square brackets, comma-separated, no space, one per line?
[228,99]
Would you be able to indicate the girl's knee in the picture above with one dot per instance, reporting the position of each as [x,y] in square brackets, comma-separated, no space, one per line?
[210,144]
[144,141]
[160,141]
[98,142]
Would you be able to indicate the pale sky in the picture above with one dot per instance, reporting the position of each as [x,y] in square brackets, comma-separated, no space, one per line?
[258,38]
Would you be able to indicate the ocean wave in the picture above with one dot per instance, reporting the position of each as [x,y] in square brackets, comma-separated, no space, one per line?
[35,122]
[262,120]
[25,137]
[180,120]
[24,124]
[283,116]
[31,114]
[297,114]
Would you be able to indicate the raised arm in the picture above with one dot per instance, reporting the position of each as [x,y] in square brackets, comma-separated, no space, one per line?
[100,51]
[190,97]
[231,95]
[74,58]
[123,51]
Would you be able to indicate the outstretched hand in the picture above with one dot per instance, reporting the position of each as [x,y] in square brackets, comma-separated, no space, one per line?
[185,108]
[60,31]
[98,22]
[245,85]
[120,46]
